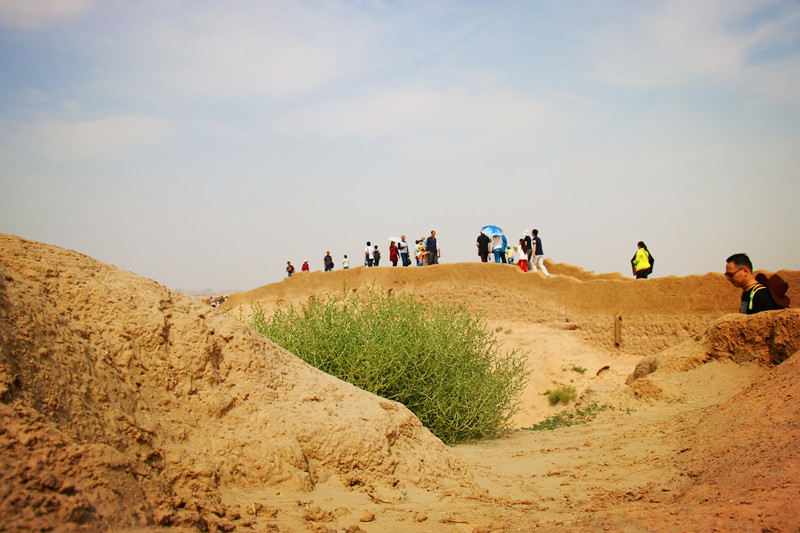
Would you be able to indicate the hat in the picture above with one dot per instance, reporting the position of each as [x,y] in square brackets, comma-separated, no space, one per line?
[777,288]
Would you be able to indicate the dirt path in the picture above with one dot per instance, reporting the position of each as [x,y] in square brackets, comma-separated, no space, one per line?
[552,480]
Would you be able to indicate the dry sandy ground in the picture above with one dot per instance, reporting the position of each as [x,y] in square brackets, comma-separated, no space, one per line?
[128,407]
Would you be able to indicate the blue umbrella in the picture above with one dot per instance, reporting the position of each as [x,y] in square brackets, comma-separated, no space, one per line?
[491,231]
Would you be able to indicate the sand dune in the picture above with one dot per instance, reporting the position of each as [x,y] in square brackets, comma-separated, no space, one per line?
[128,406]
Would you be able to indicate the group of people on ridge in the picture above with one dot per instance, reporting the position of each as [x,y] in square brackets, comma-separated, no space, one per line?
[759,292]
[426,252]
[527,255]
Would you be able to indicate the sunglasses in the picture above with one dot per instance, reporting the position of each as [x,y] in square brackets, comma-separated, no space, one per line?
[730,275]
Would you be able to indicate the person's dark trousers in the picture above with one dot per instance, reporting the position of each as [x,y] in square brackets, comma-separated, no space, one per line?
[406,262]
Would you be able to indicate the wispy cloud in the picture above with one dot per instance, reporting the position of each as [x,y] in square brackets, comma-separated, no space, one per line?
[274,52]
[420,111]
[108,137]
[683,42]
[38,14]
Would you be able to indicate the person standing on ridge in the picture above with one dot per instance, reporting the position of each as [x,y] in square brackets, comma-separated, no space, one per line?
[368,257]
[538,254]
[522,256]
[328,260]
[640,263]
[420,253]
[483,247]
[528,248]
[433,249]
[403,248]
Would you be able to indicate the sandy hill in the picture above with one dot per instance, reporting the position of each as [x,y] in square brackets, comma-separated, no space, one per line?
[127,406]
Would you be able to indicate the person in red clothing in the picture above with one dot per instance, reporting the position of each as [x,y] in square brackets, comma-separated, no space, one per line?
[393,254]
[305,267]
[522,255]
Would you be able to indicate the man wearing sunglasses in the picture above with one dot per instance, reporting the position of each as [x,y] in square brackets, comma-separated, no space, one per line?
[755,296]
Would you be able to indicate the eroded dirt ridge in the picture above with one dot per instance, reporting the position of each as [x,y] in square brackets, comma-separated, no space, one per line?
[126,405]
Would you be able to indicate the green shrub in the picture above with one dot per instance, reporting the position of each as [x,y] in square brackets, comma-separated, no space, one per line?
[563,394]
[438,361]
[569,418]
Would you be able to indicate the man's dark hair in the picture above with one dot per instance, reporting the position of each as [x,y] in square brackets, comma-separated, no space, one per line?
[741,260]
[535,232]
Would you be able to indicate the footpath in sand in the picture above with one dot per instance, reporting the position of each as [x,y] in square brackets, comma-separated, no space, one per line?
[126,406]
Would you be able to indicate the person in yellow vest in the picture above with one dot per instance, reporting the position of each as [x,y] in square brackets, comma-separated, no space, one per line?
[641,262]
[755,296]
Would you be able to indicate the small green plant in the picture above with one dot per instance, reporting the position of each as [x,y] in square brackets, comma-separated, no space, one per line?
[578,369]
[437,360]
[570,418]
[563,394]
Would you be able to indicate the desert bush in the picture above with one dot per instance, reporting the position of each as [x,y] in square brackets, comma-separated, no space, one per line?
[569,418]
[563,394]
[438,361]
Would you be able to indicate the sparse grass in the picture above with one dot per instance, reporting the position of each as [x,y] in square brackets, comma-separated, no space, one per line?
[570,418]
[437,360]
[578,369]
[562,394]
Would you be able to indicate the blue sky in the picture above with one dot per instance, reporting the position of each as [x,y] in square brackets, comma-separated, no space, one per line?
[204,144]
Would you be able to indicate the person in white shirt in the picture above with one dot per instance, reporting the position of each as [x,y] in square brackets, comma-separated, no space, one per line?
[368,257]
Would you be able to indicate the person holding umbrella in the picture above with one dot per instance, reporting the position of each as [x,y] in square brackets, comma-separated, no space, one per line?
[499,242]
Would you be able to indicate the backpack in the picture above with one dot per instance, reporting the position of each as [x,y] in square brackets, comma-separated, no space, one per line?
[377,255]
[652,261]
[777,288]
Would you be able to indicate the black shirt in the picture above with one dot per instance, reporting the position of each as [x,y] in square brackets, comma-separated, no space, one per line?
[483,244]
[761,300]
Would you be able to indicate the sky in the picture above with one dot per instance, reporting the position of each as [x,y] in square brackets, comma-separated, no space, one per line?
[203,144]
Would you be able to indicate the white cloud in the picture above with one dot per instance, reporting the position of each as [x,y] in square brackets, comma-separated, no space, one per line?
[683,41]
[420,111]
[108,137]
[38,14]
[274,52]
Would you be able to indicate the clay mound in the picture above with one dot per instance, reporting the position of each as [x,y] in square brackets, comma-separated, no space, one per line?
[766,338]
[124,403]
[755,436]
[565,269]
[738,467]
